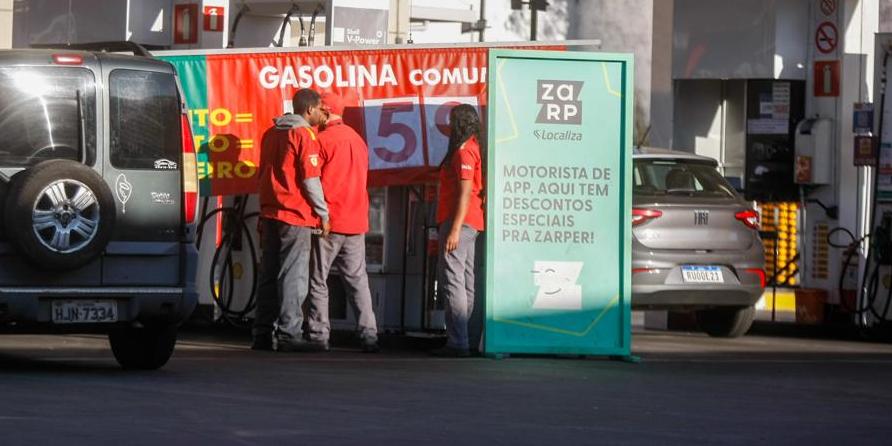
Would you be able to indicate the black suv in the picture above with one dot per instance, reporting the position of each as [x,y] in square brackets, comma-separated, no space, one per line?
[98,200]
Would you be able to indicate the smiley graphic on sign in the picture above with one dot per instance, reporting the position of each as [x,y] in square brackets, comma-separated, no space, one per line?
[558,287]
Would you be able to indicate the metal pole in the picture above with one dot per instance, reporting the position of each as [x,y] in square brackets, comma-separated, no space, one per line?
[774,281]
[482,19]
[405,259]
[425,295]
[534,21]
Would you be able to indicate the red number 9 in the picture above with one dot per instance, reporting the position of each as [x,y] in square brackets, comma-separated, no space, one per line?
[441,117]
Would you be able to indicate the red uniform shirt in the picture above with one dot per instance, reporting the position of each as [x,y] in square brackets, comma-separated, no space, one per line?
[464,165]
[287,158]
[345,169]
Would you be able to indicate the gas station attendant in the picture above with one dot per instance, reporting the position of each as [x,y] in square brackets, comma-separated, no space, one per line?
[460,219]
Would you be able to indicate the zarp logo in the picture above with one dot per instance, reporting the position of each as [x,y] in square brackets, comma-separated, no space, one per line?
[560,102]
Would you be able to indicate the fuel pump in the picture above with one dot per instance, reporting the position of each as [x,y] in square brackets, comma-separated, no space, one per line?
[229,272]
[872,302]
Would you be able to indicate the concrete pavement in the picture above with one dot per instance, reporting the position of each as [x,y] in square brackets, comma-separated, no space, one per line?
[689,389]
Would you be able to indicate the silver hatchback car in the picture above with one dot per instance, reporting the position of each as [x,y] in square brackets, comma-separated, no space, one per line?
[695,242]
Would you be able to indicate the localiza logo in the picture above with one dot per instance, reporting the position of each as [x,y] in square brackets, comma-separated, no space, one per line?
[560,102]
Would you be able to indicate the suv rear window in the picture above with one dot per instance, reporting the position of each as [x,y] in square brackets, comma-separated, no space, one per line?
[679,177]
[39,114]
[144,120]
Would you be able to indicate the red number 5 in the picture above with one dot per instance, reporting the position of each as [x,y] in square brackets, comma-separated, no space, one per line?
[386,127]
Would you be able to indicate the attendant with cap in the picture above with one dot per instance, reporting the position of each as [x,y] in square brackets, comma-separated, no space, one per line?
[345,165]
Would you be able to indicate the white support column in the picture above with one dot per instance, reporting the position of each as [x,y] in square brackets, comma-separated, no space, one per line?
[826,50]
[6,24]
[398,24]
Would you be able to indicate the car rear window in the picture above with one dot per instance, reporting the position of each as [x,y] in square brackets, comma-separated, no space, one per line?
[40,115]
[679,177]
[144,120]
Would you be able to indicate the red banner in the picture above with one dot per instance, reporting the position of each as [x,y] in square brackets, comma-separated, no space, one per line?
[398,100]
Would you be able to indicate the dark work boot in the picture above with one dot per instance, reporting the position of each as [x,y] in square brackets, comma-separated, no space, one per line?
[262,343]
[450,352]
[370,346]
[302,346]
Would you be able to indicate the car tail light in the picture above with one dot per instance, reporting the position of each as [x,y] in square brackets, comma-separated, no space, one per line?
[748,217]
[644,270]
[190,173]
[68,59]
[759,272]
[640,216]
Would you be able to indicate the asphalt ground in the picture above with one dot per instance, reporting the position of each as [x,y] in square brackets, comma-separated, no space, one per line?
[688,389]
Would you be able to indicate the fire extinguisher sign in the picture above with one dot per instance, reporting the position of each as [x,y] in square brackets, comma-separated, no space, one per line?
[213,18]
[826,76]
[185,22]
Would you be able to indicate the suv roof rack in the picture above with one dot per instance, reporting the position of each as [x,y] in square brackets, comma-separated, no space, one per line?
[104,47]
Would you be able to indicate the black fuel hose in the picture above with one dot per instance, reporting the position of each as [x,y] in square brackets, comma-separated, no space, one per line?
[870,288]
[222,275]
[287,22]
[238,18]
[311,35]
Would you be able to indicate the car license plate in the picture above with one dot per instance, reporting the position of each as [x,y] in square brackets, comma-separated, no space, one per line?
[84,311]
[702,274]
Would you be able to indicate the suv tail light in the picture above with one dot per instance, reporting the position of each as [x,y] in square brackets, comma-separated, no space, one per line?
[190,173]
[68,59]
[640,216]
[748,217]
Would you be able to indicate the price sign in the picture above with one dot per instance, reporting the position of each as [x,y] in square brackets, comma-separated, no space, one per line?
[398,139]
[436,114]
[393,133]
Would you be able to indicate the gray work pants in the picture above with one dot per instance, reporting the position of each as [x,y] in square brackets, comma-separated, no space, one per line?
[455,283]
[284,277]
[347,254]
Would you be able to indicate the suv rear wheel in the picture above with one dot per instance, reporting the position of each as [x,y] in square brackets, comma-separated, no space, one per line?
[143,348]
[60,214]
[726,322]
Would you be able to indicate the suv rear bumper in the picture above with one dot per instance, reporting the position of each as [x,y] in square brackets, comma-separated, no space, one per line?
[22,308]
[33,306]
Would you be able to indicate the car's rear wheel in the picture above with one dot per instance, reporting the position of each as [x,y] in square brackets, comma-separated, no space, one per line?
[726,322]
[143,348]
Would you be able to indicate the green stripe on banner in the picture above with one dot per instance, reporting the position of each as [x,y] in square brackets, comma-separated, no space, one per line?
[192,71]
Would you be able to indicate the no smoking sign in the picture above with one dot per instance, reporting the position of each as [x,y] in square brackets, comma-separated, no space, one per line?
[826,37]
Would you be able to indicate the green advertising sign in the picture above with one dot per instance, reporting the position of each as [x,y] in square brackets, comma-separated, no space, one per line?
[558,203]
[192,71]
